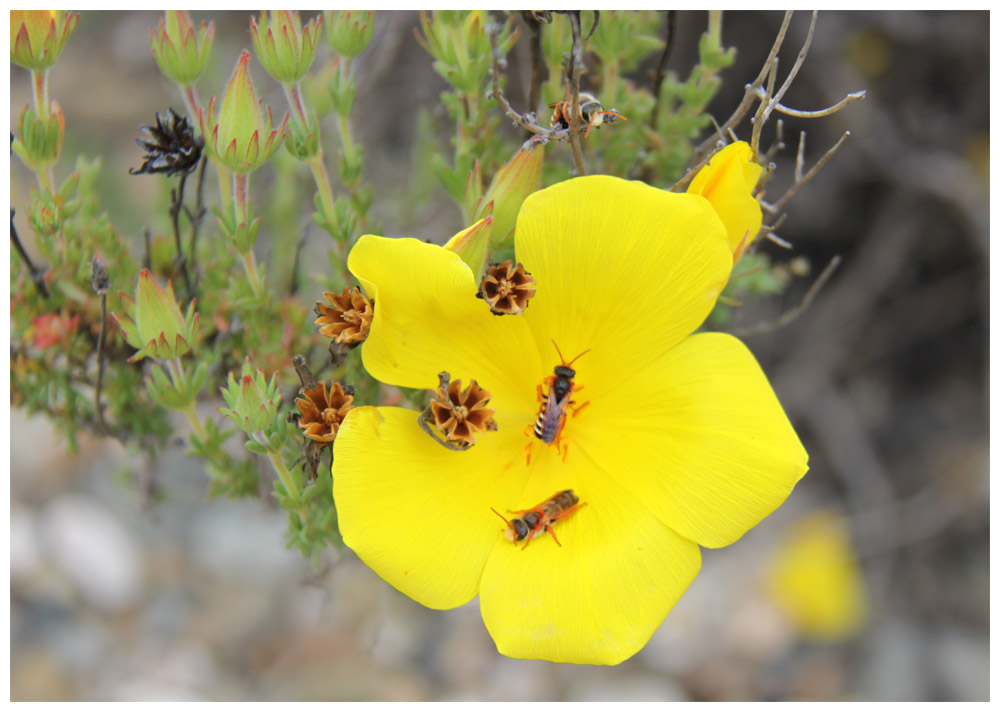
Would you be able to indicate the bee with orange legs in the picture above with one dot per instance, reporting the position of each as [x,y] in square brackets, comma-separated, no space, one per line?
[553,406]
[530,523]
[589,112]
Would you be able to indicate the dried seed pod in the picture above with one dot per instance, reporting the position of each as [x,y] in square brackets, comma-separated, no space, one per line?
[171,146]
[323,410]
[458,413]
[506,288]
[348,319]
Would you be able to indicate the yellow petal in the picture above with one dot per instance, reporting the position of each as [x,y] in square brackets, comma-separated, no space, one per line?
[428,320]
[417,513]
[699,437]
[728,181]
[815,578]
[623,268]
[599,597]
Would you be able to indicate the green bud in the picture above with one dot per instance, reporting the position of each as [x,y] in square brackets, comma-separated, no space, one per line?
[515,181]
[241,137]
[39,141]
[350,31]
[473,245]
[180,54]
[37,37]
[153,322]
[252,400]
[303,144]
[283,46]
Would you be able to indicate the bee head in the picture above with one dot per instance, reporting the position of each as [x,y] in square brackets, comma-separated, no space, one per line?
[517,530]
[565,372]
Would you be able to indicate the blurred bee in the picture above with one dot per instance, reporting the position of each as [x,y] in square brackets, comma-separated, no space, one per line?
[553,405]
[590,112]
[530,523]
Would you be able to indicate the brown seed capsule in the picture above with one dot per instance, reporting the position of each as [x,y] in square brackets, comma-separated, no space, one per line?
[171,146]
[460,413]
[348,319]
[323,410]
[506,288]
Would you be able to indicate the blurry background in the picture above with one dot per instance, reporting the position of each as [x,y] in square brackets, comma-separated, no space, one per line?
[114,597]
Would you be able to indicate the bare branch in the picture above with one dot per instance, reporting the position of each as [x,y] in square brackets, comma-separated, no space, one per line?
[99,283]
[800,157]
[829,111]
[661,68]
[763,111]
[777,240]
[798,61]
[697,167]
[776,208]
[576,67]
[795,312]
[752,89]
[526,122]
[779,142]
[37,275]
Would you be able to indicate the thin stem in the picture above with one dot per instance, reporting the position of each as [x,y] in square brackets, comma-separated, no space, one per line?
[177,203]
[37,275]
[98,407]
[196,217]
[40,87]
[798,61]
[288,481]
[99,283]
[661,68]
[294,97]
[240,182]
[535,46]
[854,96]
[40,84]
[225,188]
[751,89]
[253,276]
[576,66]
[191,102]
[792,314]
[808,176]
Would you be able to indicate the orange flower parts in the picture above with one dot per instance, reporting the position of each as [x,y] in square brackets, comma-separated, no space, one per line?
[348,319]
[323,410]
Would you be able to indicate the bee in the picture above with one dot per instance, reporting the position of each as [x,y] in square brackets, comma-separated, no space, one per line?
[590,111]
[553,406]
[530,523]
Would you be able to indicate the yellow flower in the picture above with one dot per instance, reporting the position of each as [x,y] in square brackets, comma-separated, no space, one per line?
[814,577]
[727,181]
[683,442]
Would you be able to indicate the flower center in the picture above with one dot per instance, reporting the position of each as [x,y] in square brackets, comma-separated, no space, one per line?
[330,416]
[352,316]
[504,289]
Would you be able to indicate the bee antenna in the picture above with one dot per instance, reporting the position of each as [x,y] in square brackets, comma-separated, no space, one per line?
[501,516]
[563,358]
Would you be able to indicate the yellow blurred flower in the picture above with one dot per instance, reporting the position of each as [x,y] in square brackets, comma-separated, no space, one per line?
[728,181]
[815,579]
[683,442]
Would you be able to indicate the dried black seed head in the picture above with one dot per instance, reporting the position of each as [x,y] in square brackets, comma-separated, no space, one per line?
[171,146]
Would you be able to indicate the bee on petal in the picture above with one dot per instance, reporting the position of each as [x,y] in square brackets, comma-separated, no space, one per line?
[530,523]
[553,405]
